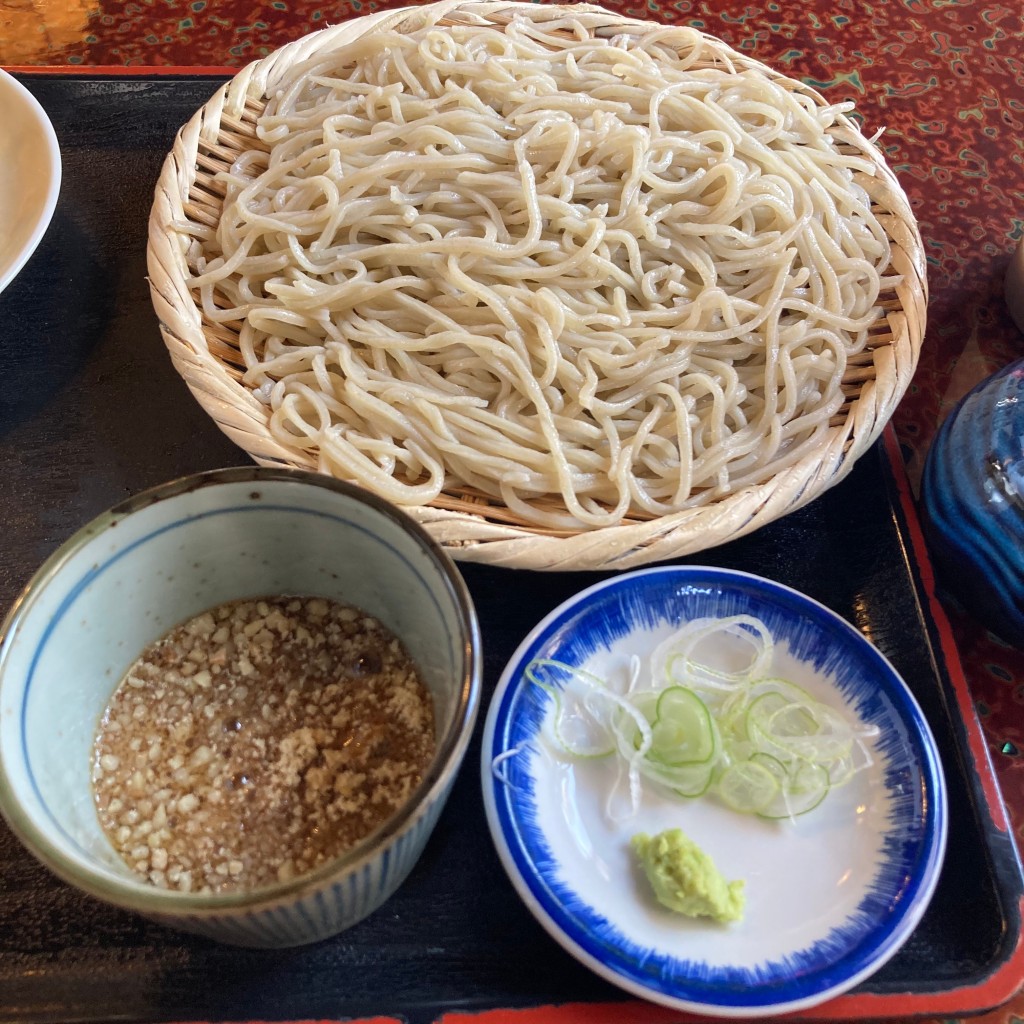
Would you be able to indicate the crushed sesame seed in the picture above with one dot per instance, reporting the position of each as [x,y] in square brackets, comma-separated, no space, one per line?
[257,741]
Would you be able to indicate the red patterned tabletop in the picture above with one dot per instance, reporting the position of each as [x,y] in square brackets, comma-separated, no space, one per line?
[944,78]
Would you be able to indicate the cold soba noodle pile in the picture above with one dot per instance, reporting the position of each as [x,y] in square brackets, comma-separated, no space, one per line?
[589,277]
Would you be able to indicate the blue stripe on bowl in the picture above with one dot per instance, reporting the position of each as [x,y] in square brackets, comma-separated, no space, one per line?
[912,846]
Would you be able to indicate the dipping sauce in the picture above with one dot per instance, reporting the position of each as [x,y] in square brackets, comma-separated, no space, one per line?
[257,741]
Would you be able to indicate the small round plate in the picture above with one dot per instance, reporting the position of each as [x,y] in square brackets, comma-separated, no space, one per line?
[831,895]
[29,176]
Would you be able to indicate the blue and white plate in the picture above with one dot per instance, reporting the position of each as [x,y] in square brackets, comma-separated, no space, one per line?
[831,895]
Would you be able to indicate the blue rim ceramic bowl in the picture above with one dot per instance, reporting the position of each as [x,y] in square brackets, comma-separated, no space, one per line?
[972,501]
[158,559]
[830,895]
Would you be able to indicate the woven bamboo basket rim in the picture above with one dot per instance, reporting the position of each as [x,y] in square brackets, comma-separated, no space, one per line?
[471,525]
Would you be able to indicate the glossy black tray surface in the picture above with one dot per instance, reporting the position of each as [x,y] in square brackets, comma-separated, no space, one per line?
[91,411]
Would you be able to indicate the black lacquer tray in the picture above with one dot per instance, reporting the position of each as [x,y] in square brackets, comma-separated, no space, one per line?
[92,411]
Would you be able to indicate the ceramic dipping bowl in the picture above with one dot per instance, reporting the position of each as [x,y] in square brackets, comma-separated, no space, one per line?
[156,561]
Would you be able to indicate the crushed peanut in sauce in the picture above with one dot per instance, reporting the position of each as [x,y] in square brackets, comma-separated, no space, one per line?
[258,740]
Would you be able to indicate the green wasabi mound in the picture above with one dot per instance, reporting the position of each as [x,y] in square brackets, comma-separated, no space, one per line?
[684,879]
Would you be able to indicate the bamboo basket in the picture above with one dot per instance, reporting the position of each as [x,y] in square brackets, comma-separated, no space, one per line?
[468,524]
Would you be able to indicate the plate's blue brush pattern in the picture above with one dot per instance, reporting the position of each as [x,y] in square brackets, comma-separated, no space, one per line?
[910,848]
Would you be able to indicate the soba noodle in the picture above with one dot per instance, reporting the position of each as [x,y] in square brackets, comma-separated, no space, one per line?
[588,277]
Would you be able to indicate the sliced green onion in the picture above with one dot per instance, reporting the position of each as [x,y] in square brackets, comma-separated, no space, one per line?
[578,724]
[748,787]
[804,787]
[682,731]
[761,744]
[678,660]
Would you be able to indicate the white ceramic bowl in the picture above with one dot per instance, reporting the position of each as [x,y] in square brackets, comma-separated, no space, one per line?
[831,895]
[155,561]
[29,175]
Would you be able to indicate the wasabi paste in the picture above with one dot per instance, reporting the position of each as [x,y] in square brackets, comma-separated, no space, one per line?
[684,879]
